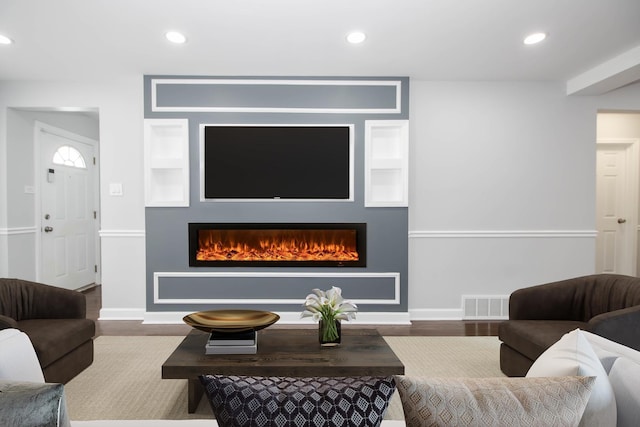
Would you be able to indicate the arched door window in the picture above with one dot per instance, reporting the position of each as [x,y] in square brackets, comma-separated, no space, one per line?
[69,156]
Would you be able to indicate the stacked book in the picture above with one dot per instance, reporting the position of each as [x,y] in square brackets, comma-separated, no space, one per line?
[232,343]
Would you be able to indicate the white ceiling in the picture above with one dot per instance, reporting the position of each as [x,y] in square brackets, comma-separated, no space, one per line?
[589,40]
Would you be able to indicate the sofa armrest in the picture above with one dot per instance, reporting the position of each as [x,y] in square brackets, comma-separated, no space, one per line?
[7,322]
[23,300]
[620,326]
[59,303]
[550,301]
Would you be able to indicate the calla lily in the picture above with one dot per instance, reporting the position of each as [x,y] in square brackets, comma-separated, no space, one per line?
[328,306]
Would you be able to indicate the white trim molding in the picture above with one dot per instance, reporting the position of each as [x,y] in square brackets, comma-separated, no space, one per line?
[121,233]
[297,301]
[122,314]
[288,318]
[436,314]
[503,234]
[396,84]
[13,231]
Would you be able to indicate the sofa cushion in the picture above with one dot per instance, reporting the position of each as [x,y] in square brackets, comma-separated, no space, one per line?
[284,401]
[33,404]
[532,337]
[573,355]
[54,338]
[179,423]
[558,401]
[624,377]
[18,360]
[609,351]
[7,322]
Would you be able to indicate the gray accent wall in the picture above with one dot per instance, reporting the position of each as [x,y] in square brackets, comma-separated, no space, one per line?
[172,285]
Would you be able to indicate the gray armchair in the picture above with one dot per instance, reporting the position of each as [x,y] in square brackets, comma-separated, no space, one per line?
[604,304]
[55,321]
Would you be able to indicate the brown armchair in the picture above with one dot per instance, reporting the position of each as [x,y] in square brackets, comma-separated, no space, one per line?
[55,321]
[604,304]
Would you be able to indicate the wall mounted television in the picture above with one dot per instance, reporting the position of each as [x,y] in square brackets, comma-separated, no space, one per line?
[276,162]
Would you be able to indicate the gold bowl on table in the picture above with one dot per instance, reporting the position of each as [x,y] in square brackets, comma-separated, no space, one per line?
[230,321]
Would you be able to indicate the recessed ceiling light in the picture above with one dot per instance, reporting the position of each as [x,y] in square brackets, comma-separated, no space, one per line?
[534,38]
[175,37]
[5,40]
[356,37]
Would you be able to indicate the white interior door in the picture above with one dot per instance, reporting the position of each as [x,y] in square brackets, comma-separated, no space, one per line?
[616,202]
[68,251]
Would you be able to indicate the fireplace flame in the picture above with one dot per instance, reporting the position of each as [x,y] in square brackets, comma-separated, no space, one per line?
[277,245]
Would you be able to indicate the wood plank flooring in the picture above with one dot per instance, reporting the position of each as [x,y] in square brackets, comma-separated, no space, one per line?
[417,328]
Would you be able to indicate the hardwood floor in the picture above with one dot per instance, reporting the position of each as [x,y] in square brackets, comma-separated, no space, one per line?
[417,328]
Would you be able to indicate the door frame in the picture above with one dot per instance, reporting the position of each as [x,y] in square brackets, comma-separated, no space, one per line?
[632,187]
[37,151]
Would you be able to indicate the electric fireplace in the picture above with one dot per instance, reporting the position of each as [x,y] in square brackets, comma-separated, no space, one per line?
[277,244]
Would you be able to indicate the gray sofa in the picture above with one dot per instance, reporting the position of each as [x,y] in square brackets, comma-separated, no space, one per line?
[604,304]
[55,321]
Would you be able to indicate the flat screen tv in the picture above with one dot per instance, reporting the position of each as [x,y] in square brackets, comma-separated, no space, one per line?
[279,162]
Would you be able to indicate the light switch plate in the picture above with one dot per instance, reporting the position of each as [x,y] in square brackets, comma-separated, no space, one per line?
[115,189]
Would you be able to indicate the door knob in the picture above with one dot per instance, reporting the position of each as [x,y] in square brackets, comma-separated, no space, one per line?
[621,220]
[48,229]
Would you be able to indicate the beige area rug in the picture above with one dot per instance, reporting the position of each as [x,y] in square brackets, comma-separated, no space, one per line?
[124,380]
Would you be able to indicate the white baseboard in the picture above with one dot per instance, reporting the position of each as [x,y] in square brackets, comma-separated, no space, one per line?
[289,318]
[436,314]
[122,314]
[386,318]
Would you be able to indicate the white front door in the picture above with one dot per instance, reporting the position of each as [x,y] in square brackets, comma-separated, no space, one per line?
[615,219]
[68,252]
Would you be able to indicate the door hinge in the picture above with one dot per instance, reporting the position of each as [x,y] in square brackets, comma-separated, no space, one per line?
[95,268]
[95,215]
[94,161]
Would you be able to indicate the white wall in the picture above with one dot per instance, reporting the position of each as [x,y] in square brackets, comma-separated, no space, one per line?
[502,185]
[502,190]
[120,106]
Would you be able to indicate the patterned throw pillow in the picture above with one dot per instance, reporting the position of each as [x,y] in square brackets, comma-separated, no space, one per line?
[558,401]
[283,401]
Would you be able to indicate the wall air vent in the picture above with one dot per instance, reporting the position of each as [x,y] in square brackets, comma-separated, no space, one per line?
[485,307]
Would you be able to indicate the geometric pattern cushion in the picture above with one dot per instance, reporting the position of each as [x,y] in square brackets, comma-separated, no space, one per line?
[558,401]
[283,401]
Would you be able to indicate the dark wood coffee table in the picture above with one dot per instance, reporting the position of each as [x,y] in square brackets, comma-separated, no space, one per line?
[284,352]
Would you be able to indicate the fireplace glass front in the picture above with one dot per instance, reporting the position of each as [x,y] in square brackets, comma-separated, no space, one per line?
[279,244]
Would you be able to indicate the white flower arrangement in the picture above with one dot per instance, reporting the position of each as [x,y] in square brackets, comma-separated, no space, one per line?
[329,306]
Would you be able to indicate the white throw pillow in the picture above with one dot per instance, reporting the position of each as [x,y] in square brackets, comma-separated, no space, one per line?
[624,380]
[573,355]
[18,360]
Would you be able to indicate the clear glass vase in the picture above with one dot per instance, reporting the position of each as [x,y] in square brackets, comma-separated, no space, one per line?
[329,333]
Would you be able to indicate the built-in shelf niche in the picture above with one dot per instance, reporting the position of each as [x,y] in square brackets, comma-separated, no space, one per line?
[166,145]
[386,163]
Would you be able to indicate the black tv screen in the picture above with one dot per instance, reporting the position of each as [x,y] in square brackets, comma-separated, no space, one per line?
[277,162]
